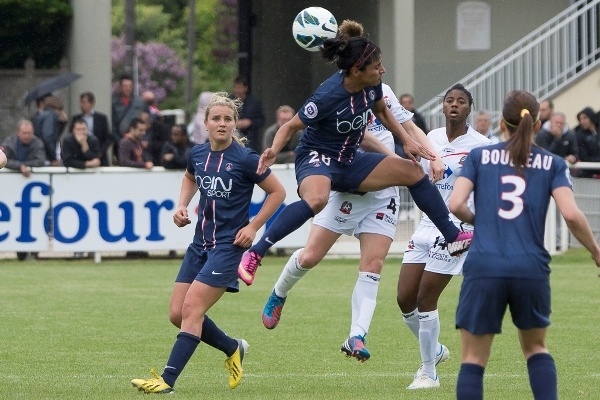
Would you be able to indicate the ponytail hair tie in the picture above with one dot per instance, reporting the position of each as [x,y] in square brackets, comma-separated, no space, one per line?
[524,112]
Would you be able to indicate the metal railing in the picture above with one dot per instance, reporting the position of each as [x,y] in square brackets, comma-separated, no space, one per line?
[542,63]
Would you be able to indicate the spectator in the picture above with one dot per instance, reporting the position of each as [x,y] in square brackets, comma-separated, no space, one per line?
[23,149]
[36,119]
[199,134]
[131,152]
[483,125]
[80,149]
[251,114]
[52,121]
[97,124]
[150,100]
[556,137]
[3,159]
[125,107]
[407,101]
[157,134]
[588,140]
[177,149]
[287,154]
[546,110]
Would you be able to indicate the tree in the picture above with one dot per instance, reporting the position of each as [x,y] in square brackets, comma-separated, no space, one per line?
[36,29]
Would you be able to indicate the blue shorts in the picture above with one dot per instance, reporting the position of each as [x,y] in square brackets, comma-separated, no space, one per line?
[216,267]
[483,301]
[344,178]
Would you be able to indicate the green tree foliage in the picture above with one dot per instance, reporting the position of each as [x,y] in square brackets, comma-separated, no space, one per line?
[33,28]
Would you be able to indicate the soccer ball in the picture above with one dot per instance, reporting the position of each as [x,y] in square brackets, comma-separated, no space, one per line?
[312,26]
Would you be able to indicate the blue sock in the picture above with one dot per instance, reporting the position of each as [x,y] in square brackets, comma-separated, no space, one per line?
[292,217]
[542,376]
[469,385]
[429,200]
[182,351]
[215,337]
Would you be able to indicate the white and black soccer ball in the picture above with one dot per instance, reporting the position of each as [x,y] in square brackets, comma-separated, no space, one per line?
[312,26]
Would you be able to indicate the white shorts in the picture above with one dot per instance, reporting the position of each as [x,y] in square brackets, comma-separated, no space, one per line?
[352,214]
[427,246]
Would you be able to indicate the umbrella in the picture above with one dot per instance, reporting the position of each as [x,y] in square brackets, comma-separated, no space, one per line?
[50,85]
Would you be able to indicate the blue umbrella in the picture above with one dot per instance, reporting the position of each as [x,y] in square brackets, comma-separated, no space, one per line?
[50,85]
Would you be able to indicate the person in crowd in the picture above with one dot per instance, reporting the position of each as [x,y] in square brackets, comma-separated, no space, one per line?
[223,231]
[588,141]
[427,267]
[3,159]
[125,107]
[36,119]
[483,125]
[176,150]
[97,123]
[546,111]
[407,101]
[157,134]
[287,155]
[251,115]
[131,151]
[371,217]
[149,98]
[507,265]
[199,134]
[335,117]
[23,149]
[80,149]
[52,121]
[556,137]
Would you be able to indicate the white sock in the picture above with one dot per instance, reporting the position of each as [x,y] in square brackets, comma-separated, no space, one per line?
[412,321]
[291,274]
[364,300]
[429,332]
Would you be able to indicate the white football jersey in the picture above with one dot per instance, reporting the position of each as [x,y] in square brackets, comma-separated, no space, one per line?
[400,113]
[453,155]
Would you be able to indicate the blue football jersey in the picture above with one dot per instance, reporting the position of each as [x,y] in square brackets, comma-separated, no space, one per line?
[510,212]
[336,119]
[225,180]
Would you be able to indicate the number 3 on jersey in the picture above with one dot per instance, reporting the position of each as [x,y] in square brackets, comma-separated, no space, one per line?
[513,196]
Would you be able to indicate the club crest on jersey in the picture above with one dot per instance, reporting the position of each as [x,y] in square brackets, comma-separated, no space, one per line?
[346,207]
[228,167]
[387,101]
[371,94]
[311,110]
[462,160]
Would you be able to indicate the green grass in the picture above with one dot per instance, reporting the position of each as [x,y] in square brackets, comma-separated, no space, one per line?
[75,330]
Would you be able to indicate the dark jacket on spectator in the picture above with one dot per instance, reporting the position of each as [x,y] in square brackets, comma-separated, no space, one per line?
[32,155]
[181,154]
[71,153]
[563,146]
[102,132]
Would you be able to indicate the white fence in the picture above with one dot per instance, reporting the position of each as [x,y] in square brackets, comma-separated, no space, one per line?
[113,209]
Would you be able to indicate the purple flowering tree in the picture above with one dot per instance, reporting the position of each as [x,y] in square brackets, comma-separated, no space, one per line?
[160,69]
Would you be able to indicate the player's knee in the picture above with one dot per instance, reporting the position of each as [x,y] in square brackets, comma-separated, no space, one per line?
[406,301]
[175,318]
[317,201]
[308,258]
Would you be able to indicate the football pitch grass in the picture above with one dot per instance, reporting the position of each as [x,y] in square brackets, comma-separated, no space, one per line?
[72,329]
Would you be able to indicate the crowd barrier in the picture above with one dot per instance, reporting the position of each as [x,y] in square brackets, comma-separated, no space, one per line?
[117,209]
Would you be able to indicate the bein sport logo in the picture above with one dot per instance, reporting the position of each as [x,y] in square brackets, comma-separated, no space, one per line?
[152,214]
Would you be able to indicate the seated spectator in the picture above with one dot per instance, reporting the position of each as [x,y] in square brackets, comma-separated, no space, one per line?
[251,117]
[483,125]
[80,149]
[287,154]
[52,121]
[157,134]
[177,149]
[199,134]
[131,152]
[588,141]
[556,137]
[23,149]
[3,159]
[97,123]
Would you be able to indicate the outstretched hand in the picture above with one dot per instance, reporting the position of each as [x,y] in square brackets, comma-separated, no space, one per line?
[413,148]
[267,158]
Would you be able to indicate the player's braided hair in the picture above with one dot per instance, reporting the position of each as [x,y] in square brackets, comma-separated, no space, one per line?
[350,48]
[520,113]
